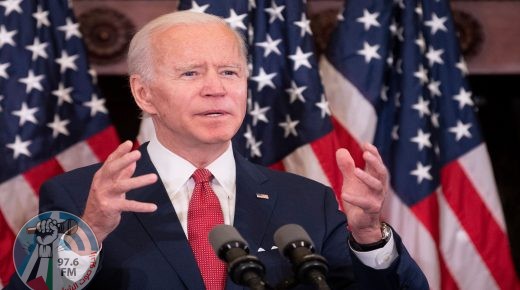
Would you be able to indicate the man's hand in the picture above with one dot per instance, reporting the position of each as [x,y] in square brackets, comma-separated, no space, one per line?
[363,193]
[107,197]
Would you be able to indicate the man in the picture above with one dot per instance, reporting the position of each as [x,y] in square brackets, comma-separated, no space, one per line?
[188,71]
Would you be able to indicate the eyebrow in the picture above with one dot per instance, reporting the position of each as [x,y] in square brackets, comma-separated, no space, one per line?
[197,66]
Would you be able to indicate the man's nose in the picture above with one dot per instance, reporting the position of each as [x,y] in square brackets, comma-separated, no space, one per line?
[213,85]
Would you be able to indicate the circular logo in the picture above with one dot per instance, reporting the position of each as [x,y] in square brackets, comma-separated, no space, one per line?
[56,250]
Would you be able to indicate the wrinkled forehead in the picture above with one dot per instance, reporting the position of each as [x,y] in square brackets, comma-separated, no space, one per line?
[196,41]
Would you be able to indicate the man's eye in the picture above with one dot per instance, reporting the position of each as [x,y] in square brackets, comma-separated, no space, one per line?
[229,73]
[189,73]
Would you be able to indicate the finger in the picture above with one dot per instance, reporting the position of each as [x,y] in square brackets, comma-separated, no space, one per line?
[134,182]
[372,149]
[372,182]
[121,164]
[362,202]
[137,206]
[345,162]
[374,166]
[122,149]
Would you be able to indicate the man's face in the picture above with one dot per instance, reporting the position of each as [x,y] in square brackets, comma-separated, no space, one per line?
[199,85]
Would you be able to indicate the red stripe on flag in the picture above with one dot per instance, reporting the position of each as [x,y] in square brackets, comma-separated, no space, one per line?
[278,166]
[346,140]
[427,212]
[325,150]
[447,281]
[488,238]
[104,142]
[6,255]
[37,175]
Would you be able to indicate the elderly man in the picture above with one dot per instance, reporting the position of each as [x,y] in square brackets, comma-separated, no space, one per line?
[152,209]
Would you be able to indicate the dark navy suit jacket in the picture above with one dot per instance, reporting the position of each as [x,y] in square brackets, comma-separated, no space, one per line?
[150,250]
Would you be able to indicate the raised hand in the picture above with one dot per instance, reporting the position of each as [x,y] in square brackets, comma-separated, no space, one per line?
[107,196]
[363,193]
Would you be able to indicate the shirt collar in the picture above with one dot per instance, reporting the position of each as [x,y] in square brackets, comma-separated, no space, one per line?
[175,171]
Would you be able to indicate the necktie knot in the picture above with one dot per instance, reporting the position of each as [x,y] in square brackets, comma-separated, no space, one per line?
[202,175]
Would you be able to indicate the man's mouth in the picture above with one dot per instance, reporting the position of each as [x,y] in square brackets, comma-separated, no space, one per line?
[213,113]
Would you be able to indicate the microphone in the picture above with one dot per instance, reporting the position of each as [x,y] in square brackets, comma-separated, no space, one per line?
[68,227]
[294,243]
[244,269]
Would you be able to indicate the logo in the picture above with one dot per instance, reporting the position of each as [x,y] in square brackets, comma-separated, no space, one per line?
[56,250]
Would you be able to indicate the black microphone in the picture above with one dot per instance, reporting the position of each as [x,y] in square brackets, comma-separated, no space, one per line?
[294,243]
[244,269]
[68,227]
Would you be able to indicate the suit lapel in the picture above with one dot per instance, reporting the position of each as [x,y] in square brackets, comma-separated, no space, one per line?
[164,227]
[252,209]
[254,203]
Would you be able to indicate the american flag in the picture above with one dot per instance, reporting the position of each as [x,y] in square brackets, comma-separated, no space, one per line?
[394,77]
[52,117]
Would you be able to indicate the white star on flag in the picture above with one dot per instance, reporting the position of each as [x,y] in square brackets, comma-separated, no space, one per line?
[461,65]
[434,88]
[323,104]
[37,49]
[26,114]
[435,120]
[96,105]
[275,12]
[434,56]
[6,37]
[58,126]
[461,130]
[436,23]
[63,94]
[236,21]
[32,82]
[301,59]
[70,28]
[464,98]
[369,19]
[304,24]
[422,106]
[422,172]
[42,17]
[263,79]
[421,43]
[289,126]
[67,61]
[422,139]
[10,6]
[270,45]
[258,113]
[295,92]
[3,70]
[421,74]
[196,8]
[369,52]
[19,147]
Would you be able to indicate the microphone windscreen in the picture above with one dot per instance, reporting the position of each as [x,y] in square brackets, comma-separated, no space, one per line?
[288,234]
[223,234]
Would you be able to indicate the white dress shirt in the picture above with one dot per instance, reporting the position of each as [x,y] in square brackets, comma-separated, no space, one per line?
[175,173]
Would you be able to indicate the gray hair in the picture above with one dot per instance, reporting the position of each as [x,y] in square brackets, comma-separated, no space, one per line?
[139,52]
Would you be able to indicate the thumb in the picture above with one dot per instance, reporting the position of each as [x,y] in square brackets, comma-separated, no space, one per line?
[345,162]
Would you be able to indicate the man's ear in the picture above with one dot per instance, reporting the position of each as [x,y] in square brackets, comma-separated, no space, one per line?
[142,94]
